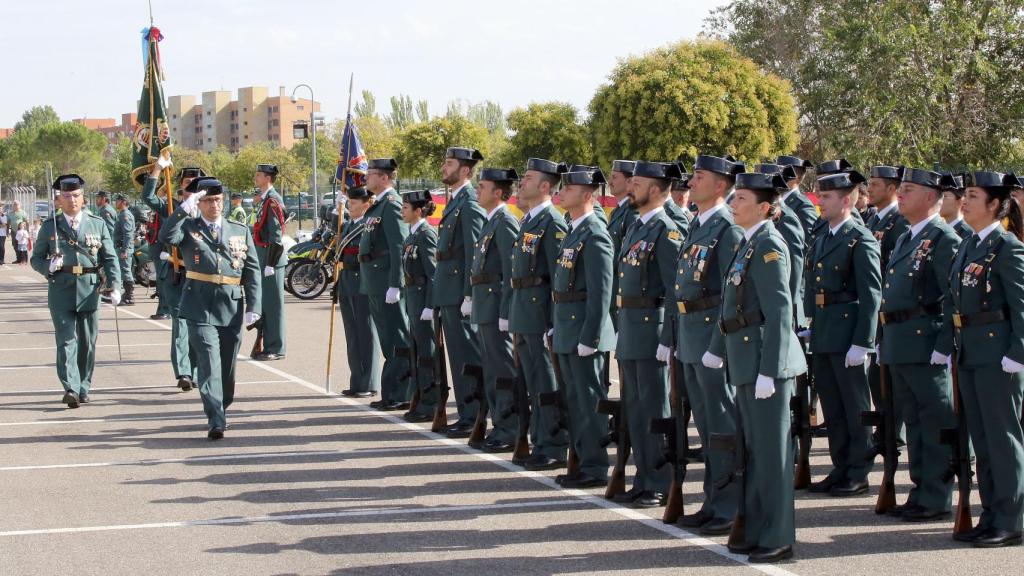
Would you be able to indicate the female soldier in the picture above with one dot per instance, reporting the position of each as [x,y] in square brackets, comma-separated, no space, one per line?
[986,308]
[419,259]
[764,358]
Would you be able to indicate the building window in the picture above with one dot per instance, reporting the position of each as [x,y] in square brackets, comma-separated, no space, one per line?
[246,136]
[244,109]
[246,123]
[207,112]
[208,140]
[209,126]
[299,107]
[174,116]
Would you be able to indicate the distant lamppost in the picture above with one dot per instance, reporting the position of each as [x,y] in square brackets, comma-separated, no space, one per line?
[299,131]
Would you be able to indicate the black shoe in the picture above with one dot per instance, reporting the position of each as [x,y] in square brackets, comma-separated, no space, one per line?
[497,447]
[84,398]
[269,357]
[378,404]
[542,462]
[71,399]
[922,514]
[696,519]
[899,510]
[824,485]
[582,481]
[185,383]
[819,431]
[971,535]
[695,455]
[159,317]
[348,392]
[459,430]
[128,302]
[215,433]
[650,499]
[416,418]
[849,488]
[769,555]
[745,549]
[395,406]
[628,496]
[563,477]
[717,527]
[997,538]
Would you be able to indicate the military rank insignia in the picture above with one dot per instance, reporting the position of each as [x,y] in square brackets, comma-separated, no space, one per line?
[771,256]
[675,235]
[237,247]
[530,243]
[371,223]
[972,275]
[484,243]
[559,235]
[410,252]
[197,236]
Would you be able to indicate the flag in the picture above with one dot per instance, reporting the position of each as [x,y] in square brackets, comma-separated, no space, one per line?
[352,165]
[152,116]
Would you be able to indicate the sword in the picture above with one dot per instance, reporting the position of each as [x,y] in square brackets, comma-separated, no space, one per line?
[117,329]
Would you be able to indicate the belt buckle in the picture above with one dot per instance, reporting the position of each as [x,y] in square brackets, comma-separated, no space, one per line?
[618,301]
[819,299]
[881,318]
[682,307]
[76,270]
[957,321]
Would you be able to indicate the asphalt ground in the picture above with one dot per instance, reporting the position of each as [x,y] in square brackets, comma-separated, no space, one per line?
[307,482]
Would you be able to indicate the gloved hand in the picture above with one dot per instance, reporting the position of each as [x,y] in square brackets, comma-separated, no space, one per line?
[709,360]
[584,350]
[805,333]
[764,387]
[548,338]
[664,353]
[56,263]
[1011,366]
[115,297]
[502,324]
[427,315]
[268,271]
[163,163]
[878,353]
[467,306]
[251,318]
[939,358]
[191,204]
[392,295]
[856,355]
[165,256]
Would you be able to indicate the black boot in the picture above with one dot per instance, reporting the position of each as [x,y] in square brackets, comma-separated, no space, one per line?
[129,294]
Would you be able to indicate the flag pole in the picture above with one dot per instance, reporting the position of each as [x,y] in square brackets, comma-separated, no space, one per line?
[337,260]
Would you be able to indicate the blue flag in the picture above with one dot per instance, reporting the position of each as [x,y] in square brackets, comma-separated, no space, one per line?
[352,165]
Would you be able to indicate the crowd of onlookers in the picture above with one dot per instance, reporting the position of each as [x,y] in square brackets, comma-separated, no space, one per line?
[16,226]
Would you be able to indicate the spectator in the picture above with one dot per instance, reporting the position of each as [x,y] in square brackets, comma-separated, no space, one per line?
[15,217]
[21,238]
[3,234]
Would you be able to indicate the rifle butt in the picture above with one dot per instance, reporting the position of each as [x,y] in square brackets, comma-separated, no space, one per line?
[962,523]
[886,497]
[572,466]
[674,506]
[802,478]
[616,483]
[476,437]
[522,449]
[440,415]
[738,534]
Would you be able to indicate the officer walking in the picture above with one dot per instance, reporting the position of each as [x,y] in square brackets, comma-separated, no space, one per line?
[489,278]
[268,234]
[105,211]
[419,262]
[124,245]
[221,266]
[69,251]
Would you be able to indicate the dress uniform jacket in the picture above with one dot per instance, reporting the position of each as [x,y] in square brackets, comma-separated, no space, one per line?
[267,231]
[418,265]
[109,216]
[804,209]
[124,243]
[622,216]
[886,228]
[361,341]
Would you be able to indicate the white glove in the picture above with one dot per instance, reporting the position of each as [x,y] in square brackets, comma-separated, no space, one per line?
[583,350]
[56,263]
[115,297]
[251,318]
[939,358]
[427,315]
[1011,366]
[502,324]
[467,307]
[268,271]
[165,256]
[709,360]
[548,338]
[191,204]
[805,333]
[856,355]
[664,353]
[391,297]
[163,162]
[878,353]
[764,387]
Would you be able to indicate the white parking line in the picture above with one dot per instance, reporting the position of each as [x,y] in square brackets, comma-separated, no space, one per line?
[196,416]
[294,517]
[106,388]
[97,346]
[25,279]
[53,366]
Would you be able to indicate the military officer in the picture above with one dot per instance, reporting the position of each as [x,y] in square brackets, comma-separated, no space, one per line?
[681,193]
[985,307]
[171,272]
[237,211]
[124,245]
[534,256]
[490,278]
[458,231]
[221,267]
[268,234]
[621,218]
[419,262]
[680,215]
[795,200]
[952,203]
[361,340]
[697,295]
[380,265]
[843,291]
[914,286]
[69,250]
[646,275]
[168,288]
[105,211]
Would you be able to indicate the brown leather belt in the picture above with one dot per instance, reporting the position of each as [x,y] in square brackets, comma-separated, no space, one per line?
[79,270]
[563,297]
[990,317]
[485,278]
[823,299]
[699,304]
[753,318]
[899,316]
[373,255]
[530,282]
[213,278]
[638,302]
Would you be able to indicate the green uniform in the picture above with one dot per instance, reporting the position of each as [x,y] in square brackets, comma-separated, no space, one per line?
[124,245]
[646,274]
[419,253]
[961,228]
[886,228]
[109,216]
[238,215]
[703,259]
[804,209]
[792,232]
[680,215]
[269,230]
[914,286]
[380,264]
[759,339]
[582,292]
[534,255]
[361,342]
[844,283]
[211,304]
[170,285]
[74,298]
[458,231]
[987,294]
[492,300]
[622,217]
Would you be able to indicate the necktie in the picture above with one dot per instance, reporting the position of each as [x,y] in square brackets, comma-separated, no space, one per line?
[569,230]
[526,219]
[975,240]
[74,225]
[215,231]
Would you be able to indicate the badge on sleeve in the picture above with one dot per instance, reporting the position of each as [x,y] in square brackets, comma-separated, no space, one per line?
[771,256]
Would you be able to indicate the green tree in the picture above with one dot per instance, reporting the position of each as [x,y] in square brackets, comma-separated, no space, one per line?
[327,153]
[37,117]
[293,177]
[546,130]
[422,111]
[378,140]
[116,168]
[401,112]
[692,98]
[895,81]
[367,108]
[421,147]
[71,147]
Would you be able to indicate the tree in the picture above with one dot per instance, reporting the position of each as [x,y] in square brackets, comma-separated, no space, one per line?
[37,117]
[116,168]
[421,147]
[378,140]
[546,130]
[71,147]
[293,176]
[692,98]
[897,81]
[401,113]
[327,153]
[367,108]
[422,111]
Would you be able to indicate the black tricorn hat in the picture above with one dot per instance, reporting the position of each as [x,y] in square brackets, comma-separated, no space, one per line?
[417,197]
[888,172]
[794,161]
[953,183]
[467,154]
[190,172]
[588,176]
[357,193]
[102,194]
[758,181]
[269,169]
[546,166]
[840,181]
[768,168]
[68,183]
[624,166]
[682,183]
[921,177]
[209,184]
[388,164]
[119,197]
[726,166]
[992,181]
[657,170]
[832,167]
[499,174]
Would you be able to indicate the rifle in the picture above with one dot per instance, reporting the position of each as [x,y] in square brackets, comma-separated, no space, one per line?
[736,444]
[674,437]
[558,400]
[802,406]
[257,346]
[479,394]
[884,421]
[440,378]
[960,465]
[520,407]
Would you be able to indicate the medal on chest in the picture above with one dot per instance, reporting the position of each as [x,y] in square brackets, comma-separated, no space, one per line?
[410,252]
[530,243]
[922,253]
[568,258]
[92,242]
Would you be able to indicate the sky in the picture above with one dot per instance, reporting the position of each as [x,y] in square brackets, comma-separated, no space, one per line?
[85,58]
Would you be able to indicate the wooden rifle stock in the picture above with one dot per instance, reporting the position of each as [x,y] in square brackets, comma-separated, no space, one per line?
[572,459]
[257,346]
[479,394]
[617,408]
[962,522]
[890,452]
[679,445]
[440,378]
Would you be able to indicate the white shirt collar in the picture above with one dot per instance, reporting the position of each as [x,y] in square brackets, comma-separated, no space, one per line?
[74,221]
[219,222]
[624,200]
[984,232]
[358,220]
[386,191]
[916,228]
[576,223]
[459,190]
[749,233]
[539,208]
[263,195]
[706,215]
[495,210]
[840,225]
[647,217]
[881,213]
[955,222]
[416,226]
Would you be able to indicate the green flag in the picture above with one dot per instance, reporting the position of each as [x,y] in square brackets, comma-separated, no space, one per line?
[152,133]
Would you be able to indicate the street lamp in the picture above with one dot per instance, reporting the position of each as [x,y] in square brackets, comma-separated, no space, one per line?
[312,128]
